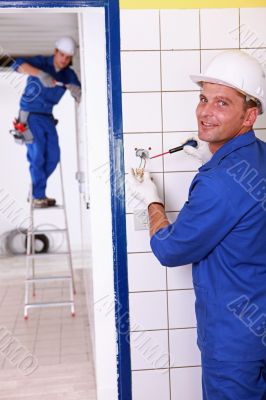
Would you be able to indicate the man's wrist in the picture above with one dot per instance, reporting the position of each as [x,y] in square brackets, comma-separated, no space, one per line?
[157,217]
[156,202]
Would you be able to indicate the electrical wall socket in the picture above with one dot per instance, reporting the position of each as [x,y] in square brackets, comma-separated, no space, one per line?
[141,220]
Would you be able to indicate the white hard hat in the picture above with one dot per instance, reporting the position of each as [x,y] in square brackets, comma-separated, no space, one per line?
[238,70]
[67,45]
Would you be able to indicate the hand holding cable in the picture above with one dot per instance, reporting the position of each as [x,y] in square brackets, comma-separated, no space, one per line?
[75,91]
[46,79]
[144,189]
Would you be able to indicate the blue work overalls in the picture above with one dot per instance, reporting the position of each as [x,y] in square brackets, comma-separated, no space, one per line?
[222,230]
[44,153]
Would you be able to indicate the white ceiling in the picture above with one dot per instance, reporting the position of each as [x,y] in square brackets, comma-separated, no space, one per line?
[34,33]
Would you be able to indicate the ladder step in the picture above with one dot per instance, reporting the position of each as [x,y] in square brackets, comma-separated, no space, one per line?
[48,278]
[56,207]
[49,304]
[47,230]
[43,255]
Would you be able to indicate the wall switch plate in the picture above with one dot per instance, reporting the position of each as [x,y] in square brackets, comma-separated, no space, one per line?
[141,220]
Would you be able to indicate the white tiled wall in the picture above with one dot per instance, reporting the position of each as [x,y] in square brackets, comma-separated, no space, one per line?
[142,112]
[145,273]
[179,29]
[151,385]
[160,48]
[181,308]
[148,310]
[177,111]
[176,67]
[142,71]
[216,27]
[176,189]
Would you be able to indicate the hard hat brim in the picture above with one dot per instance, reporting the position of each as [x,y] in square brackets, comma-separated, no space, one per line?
[198,79]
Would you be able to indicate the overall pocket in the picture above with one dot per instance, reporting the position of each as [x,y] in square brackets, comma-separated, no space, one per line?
[201,311]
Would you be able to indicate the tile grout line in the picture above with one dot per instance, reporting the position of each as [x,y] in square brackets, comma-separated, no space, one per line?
[173,132]
[239,33]
[200,40]
[164,330]
[162,290]
[189,50]
[163,168]
[165,369]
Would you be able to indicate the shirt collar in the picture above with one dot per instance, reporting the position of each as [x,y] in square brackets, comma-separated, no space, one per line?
[51,60]
[230,146]
[51,63]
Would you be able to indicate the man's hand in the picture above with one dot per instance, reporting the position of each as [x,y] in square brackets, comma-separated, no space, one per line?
[143,189]
[201,152]
[75,91]
[46,79]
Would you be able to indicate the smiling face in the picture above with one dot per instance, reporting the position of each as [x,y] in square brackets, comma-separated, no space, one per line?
[61,60]
[222,114]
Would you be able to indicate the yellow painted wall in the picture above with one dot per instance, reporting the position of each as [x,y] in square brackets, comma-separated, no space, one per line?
[164,4]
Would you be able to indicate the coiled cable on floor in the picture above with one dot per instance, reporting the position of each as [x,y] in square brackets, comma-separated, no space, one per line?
[15,242]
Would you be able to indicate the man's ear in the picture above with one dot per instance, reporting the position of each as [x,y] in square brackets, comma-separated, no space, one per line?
[251,116]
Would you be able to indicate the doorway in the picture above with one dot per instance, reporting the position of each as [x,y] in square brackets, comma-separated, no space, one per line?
[99,148]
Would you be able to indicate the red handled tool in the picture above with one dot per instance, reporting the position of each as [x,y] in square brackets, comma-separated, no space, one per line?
[19,126]
[192,143]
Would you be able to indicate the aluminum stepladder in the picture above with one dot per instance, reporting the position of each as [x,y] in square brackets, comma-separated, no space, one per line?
[31,256]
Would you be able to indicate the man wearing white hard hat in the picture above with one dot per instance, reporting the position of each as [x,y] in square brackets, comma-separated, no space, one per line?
[221,229]
[49,78]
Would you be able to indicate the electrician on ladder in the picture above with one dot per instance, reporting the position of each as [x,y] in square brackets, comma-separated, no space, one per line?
[49,77]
